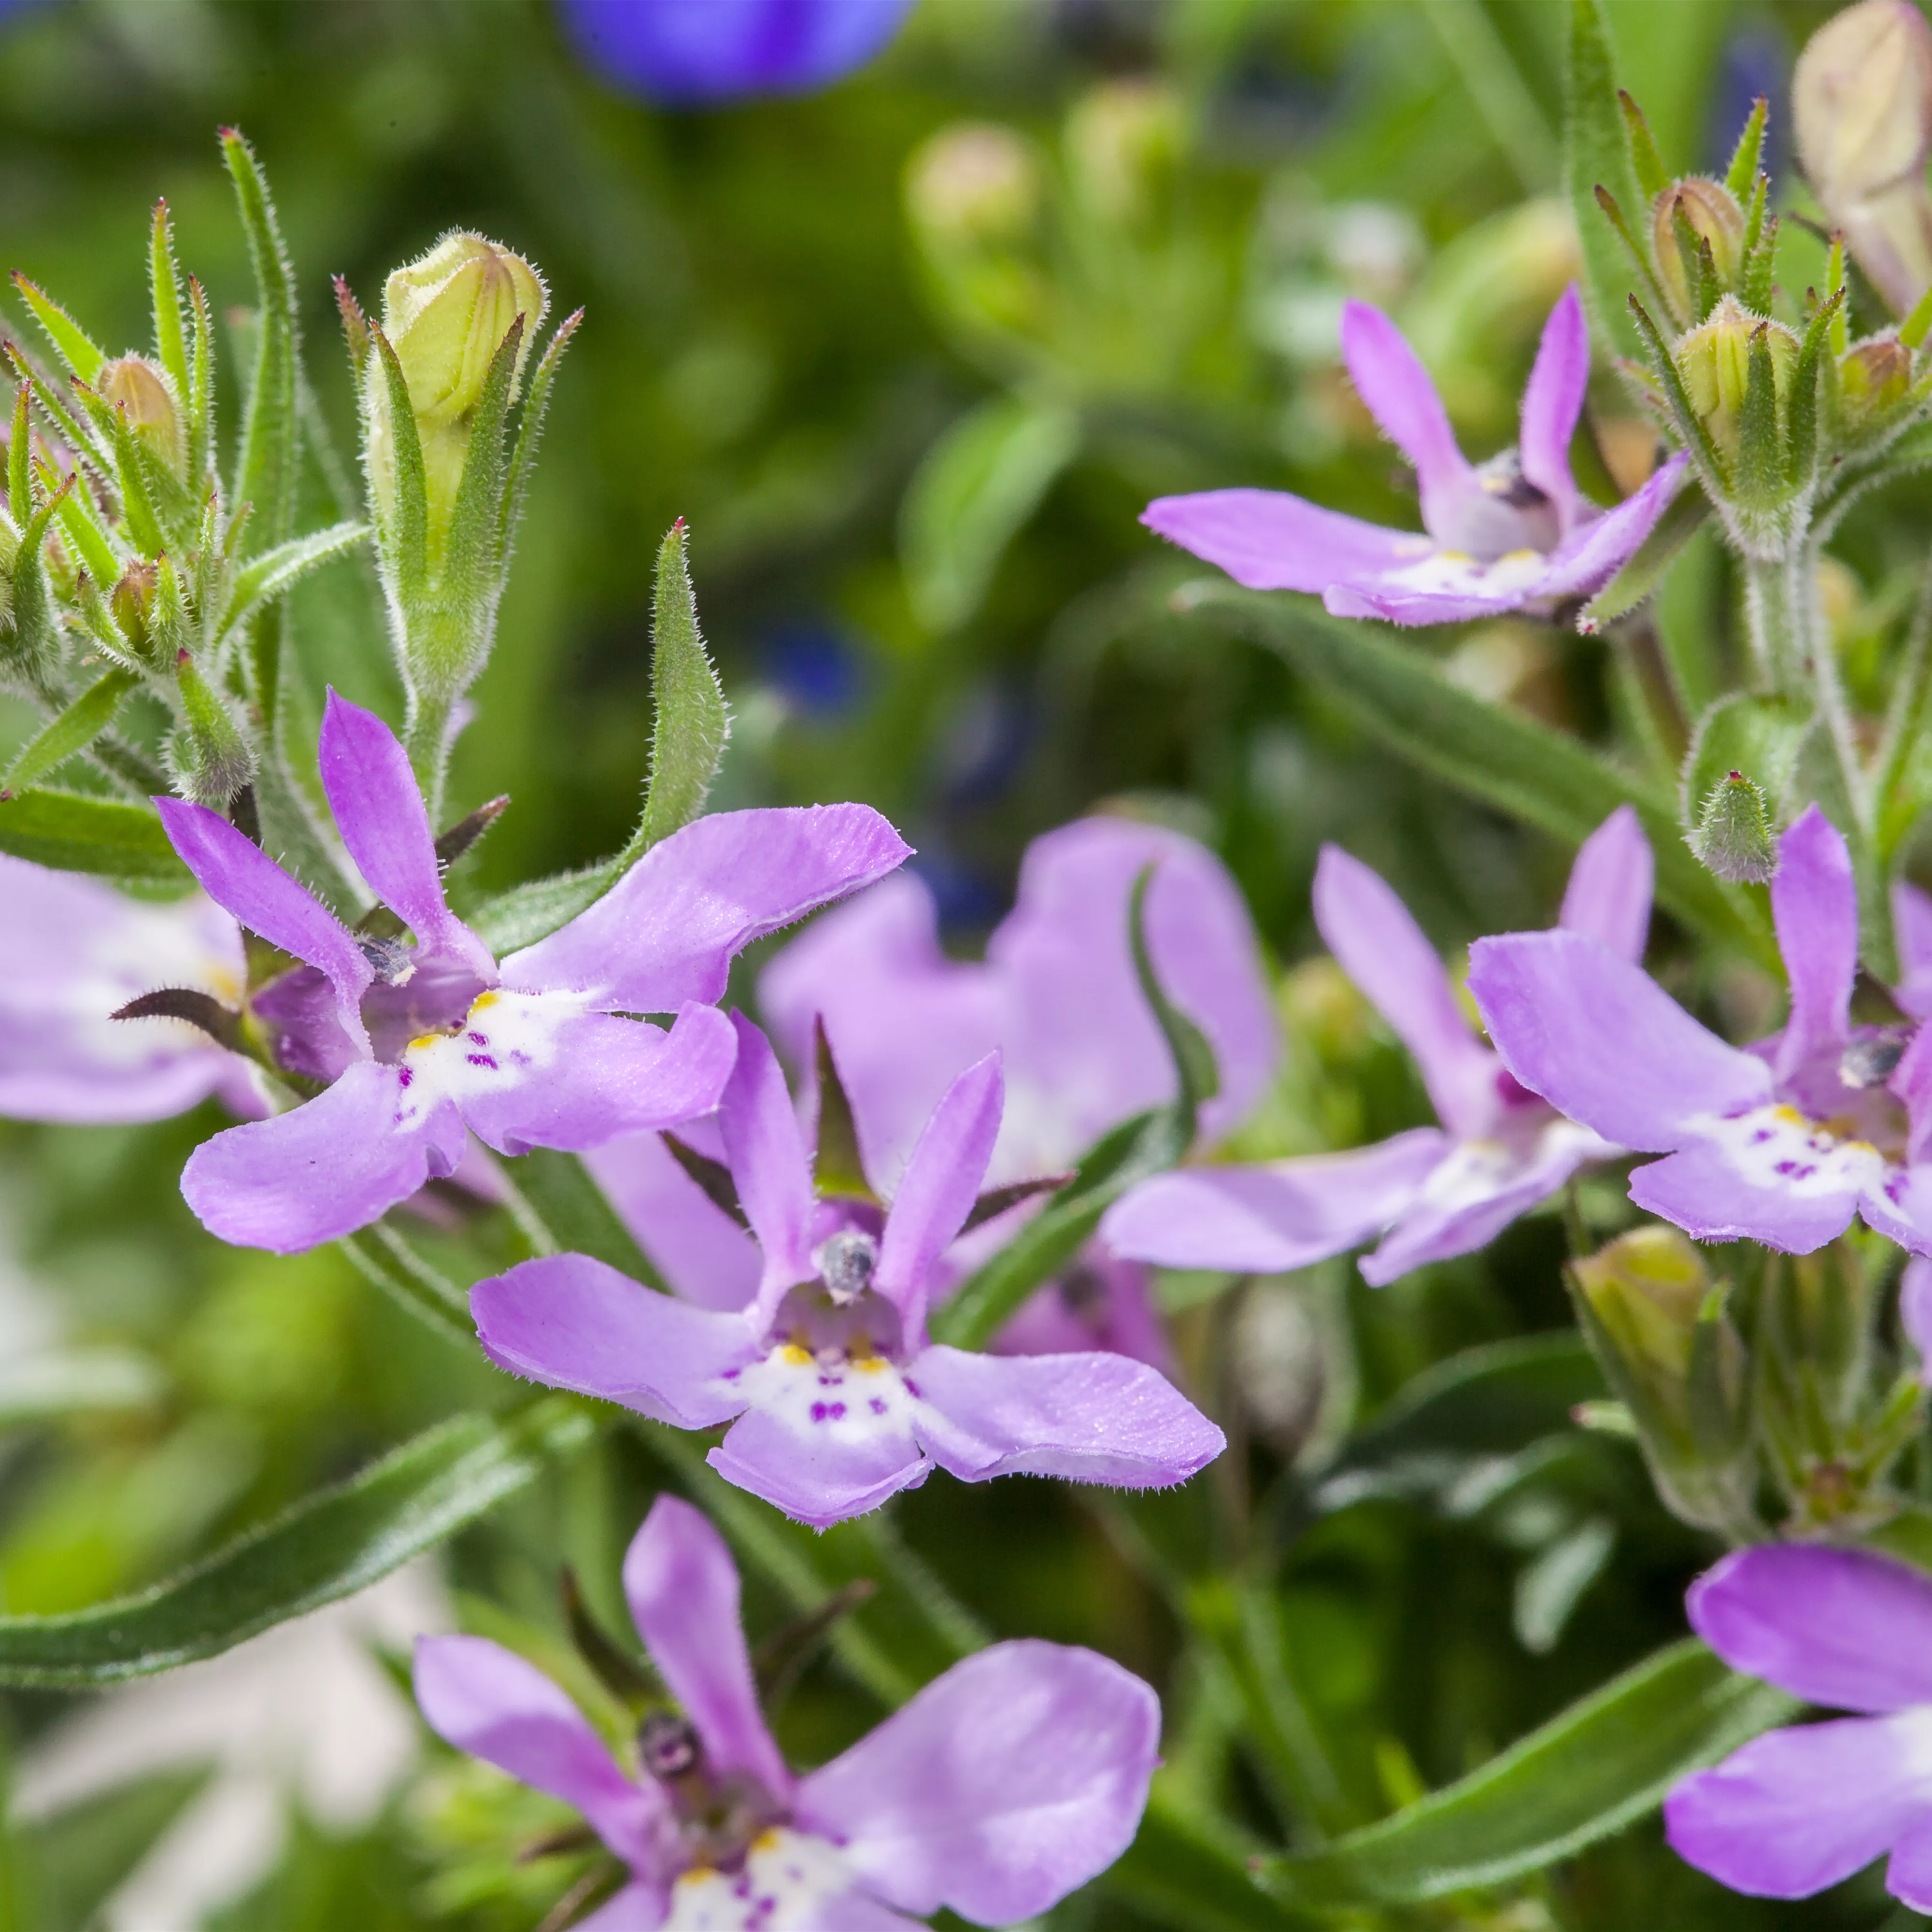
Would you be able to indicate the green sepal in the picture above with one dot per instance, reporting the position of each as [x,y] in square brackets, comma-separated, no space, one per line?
[839,1166]
[72,425]
[690,720]
[1700,266]
[1653,178]
[327,1547]
[1761,476]
[164,281]
[102,836]
[266,465]
[20,458]
[275,573]
[213,760]
[521,915]
[1760,256]
[1636,258]
[137,506]
[1690,426]
[1911,331]
[1803,408]
[199,396]
[71,342]
[529,428]
[73,731]
[472,563]
[1834,282]
[1747,157]
[405,540]
[79,524]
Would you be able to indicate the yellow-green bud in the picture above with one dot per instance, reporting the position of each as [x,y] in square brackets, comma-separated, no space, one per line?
[1861,100]
[138,389]
[1645,1289]
[1122,141]
[973,183]
[132,601]
[1715,217]
[1873,377]
[1714,359]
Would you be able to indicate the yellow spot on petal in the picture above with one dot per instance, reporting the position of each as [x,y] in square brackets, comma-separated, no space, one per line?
[798,1358]
[483,1001]
[426,1039]
[1521,557]
[1789,1115]
[767,1840]
[695,1875]
[1457,557]
[869,1365]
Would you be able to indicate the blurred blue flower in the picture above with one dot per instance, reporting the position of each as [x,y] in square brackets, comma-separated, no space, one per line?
[692,51]
[815,665]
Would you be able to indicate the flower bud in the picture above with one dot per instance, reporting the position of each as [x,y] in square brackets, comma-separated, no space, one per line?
[1861,100]
[1645,1289]
[138,389]
[1872,379]
[132,601]
[1733,837]
[1714,217]
[211,759]
[973,183]
[1122,141]
[1714,359]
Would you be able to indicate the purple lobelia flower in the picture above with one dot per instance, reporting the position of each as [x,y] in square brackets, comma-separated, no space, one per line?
[839,1400]
[1799,1809]
[1503,534]
[73,950]
[1438,1191]
[1781,1144]
[693,51]
[418,1043]
[1018,1775]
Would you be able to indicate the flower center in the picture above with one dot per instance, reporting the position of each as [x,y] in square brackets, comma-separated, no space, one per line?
[786,1879]
[845,1261]
[1497,510]
[1778,1148]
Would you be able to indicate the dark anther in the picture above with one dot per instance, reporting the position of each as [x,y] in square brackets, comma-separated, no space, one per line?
[221,1024]
[1871,1062]
[846,1261]
[668,1746]
[390,960]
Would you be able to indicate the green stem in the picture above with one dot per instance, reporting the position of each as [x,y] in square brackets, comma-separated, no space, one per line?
[1775,615]
[426,739]
[1904,717]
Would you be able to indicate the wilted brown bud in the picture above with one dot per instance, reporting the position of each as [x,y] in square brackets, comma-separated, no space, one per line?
[1862,99]
[1873,377]
[140,391]
[133,603]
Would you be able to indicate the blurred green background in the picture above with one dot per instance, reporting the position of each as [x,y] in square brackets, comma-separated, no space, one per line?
[910,357]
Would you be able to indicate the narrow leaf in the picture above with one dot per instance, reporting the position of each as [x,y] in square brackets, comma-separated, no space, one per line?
[20,458]
[170,342]
[1179,1873]
[1689,425]
[690,719]
[1653,178]
[1501,756]
[276,571]
[529,428]
[1196,1077]
[266,468]
[1596,153]
[523,914]
[1747,157]
[71,342]
[327,1547]
[1760,477]
[839,1166]
[1602,1764]
[560,1189]
[100,835]
[73,730]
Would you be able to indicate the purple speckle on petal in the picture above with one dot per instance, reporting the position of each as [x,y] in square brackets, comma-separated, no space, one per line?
[819,1411]
[480,1059]
[1787,1167]
[912,1388]
[1762,1134]
[878,1407]
[481,1039]
[404,1075]
[837,1410]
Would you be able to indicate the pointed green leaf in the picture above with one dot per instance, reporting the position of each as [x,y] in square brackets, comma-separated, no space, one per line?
[690,721]
[576,1210]
[1596,153]
[101,835]
[1499,756]
[276,571]
[70,341]
[529,428]
[523,914]
[266,470]
[972,492]
[1760,472]
[73,730]
[1803,407]
[81,524]
[170,342]
[199,394]
[327,1547]
[20,458]
[1601,1764]
[1653,178]
[405,542]
[1690,426]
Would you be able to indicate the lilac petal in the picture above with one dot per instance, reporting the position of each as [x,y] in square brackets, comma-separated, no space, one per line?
[1700,1189]
[1839,1628]
[1912,924]
[1475,1194]
[668,930]
[1603,1043]
[1552,401]
[237,874]
[766,1153]
[818,1478]
[683,1588]
[639,1907]
[1609,890]
[1378,944]
[1279,1215]
[940,1185]
[1798,1810]
[600,1077]
[705,1255]
[379,810]
[854,1911]
[1101,1302]
[1401,395]
[1915,1312]
[1593,553]
[1908,1877]
[1814,903]
[494,1704]
[1268,540]
[1900,1209]
[323,1169]
[1018,1775]
[1091,1418]
[1396,601]
[576,1323]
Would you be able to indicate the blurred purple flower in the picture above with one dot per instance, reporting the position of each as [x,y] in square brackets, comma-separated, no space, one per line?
[1438,1193]
[839,1400]
[1501,534]
[1018,1775]
[420,1042]
[1781,1143]
[72,951]
[689,52]
[1798,1810]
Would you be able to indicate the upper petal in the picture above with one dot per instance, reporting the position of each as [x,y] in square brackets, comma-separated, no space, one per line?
[1796,1810]
[1377,943]
[668,930]
[697,1247]
[1609,890]
[379,812]
[577,1323]
[1814,903]
[1090,1417]
[1276,1215]
[1400,395]
[495,1704]
[1003,1785]
[940,1183]
[323,1169]
[683,1588]
[1841,1628]
[1553,400]
[1602,1042]
[766,1153]
[1912,921]
[1268,540]
[237,874]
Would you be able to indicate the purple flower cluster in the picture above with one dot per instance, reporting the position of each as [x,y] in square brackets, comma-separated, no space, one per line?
[1003,1785]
